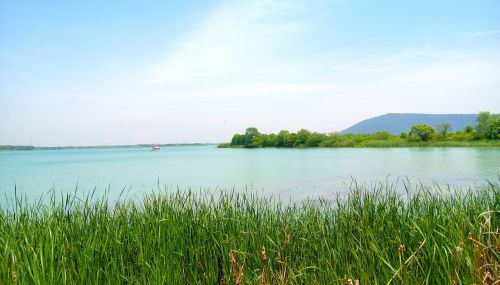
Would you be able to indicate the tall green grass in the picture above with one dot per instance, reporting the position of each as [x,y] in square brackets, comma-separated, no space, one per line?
[376,235]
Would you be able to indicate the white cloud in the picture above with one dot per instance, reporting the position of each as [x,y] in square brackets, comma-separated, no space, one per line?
[483,33]
[237,41]
[325,92]
[267,63]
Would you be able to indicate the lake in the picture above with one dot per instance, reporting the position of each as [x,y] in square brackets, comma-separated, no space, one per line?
[291,173]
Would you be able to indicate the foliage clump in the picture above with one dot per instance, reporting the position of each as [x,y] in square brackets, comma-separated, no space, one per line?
[485,133]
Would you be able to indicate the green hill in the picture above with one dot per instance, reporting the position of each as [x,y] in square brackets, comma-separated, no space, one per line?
[396,123]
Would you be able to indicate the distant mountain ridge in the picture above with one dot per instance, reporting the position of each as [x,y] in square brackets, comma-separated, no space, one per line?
[395,123]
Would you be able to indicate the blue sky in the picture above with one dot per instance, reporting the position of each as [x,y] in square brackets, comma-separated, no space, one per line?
[125,72]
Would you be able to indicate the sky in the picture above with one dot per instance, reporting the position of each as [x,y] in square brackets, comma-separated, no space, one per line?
[129,72]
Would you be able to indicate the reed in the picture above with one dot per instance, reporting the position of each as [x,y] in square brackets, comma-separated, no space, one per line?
[372,235]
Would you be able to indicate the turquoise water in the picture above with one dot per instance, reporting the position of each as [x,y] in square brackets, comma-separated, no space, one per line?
[295,173]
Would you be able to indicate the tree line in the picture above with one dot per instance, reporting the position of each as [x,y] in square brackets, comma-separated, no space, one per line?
[487,128]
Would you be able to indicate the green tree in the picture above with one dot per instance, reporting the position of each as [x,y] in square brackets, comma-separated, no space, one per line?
[461,136]
[291,140]
[403,135]
[423,132]
[250,134]
[238,140]
[488,126]
[302,136]
[315,139]
[333,139]
[270,141]
[379,136]
[469,129]
[282,138]
[443,130]
[258,141]
[495,129]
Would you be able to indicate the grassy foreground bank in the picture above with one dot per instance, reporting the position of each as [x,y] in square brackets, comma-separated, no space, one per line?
[426,236]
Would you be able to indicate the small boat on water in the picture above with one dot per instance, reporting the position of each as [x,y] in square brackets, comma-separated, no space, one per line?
[155,148]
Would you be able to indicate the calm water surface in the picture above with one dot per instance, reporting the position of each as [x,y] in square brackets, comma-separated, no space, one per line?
[295,173]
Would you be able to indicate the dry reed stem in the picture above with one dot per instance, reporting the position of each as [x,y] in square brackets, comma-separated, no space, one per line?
[401,253]
[14,274]
[408,261]
[456,261]
[349,281]
[237,274]
[263,257]
[485,269]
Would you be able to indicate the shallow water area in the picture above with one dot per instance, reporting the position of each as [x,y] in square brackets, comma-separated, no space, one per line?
[288,173]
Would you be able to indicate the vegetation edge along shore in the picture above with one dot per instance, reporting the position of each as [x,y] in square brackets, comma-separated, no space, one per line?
[486,133]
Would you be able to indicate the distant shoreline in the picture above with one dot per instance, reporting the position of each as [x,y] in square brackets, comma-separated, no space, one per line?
[372,144]
[384,144]
[388,144]
[27,147]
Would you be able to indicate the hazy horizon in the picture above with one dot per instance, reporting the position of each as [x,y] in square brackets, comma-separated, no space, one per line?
[225,140]
[113,73]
